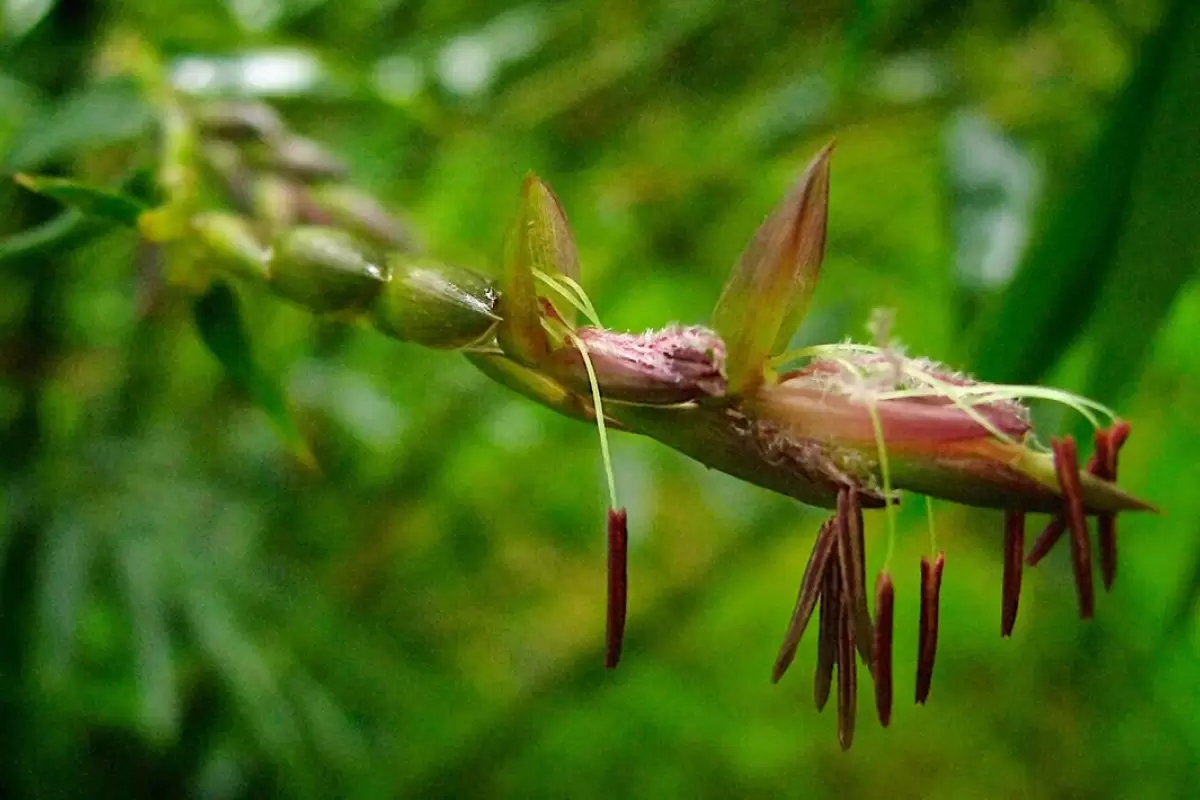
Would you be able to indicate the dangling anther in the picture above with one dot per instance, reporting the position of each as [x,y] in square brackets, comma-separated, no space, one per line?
[1014,548]
[847,679]
[1114,438]
[806,601]
[618,577]
[1046,540]
[828,626]
[852,565]
[885,599]
[931,588]
[1066,464]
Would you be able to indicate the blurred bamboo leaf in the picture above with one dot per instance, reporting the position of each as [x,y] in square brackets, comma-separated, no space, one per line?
[106,113]
[68,230]
[1055,290]
[18,18]
[1159,247]
[1159,250]
[68,554]
[141,571]
[246,671]
[90,200]
[220,325]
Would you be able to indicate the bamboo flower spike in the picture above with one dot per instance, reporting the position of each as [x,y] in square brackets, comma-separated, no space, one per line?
[841,426]
[844,427]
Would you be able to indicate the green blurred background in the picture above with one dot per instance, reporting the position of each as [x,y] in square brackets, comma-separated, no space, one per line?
[186,611]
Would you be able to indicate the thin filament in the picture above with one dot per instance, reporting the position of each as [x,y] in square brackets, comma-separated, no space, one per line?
[600,425]
[886,473]
[579,301]
[590,310]
[963,396]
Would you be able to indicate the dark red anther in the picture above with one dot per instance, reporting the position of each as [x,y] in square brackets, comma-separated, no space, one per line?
[852,565]
[806,600]
[1066,465]
[885,600]
[931,588]
[847,679]
[1046,540]
[1117,435]
[1107,521]
[1102,464]
[827,633]
[618,577]
[1014,548]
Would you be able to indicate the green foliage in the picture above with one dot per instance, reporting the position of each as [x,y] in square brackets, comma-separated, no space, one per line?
[1098,244]
[219,323]
[90,201]
[93,117]
[185,612]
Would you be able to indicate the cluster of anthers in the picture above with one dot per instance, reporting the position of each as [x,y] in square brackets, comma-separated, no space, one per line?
[917,411]
[844,426]
[835,577]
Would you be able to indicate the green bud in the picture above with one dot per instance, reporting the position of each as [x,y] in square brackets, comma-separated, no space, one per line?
[298,158]
[233,242]
[325,270]
[239,121]
[358,212]
[434,304]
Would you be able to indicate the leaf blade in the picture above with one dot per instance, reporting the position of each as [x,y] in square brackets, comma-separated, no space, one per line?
[1159,248]
[219,323]
[1056,288]
[91,201]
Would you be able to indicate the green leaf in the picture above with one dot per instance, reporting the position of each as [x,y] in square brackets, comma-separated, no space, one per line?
[148,611]
[66,231]
[1159,246]
[768,293]
[68,556]
[250,676]
[220,325]
[107,113]
[90,200]
[92,213]
[21,18]
[1055,291]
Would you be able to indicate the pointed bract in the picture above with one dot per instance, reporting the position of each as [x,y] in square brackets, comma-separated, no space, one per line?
[770,287]
[538,240]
